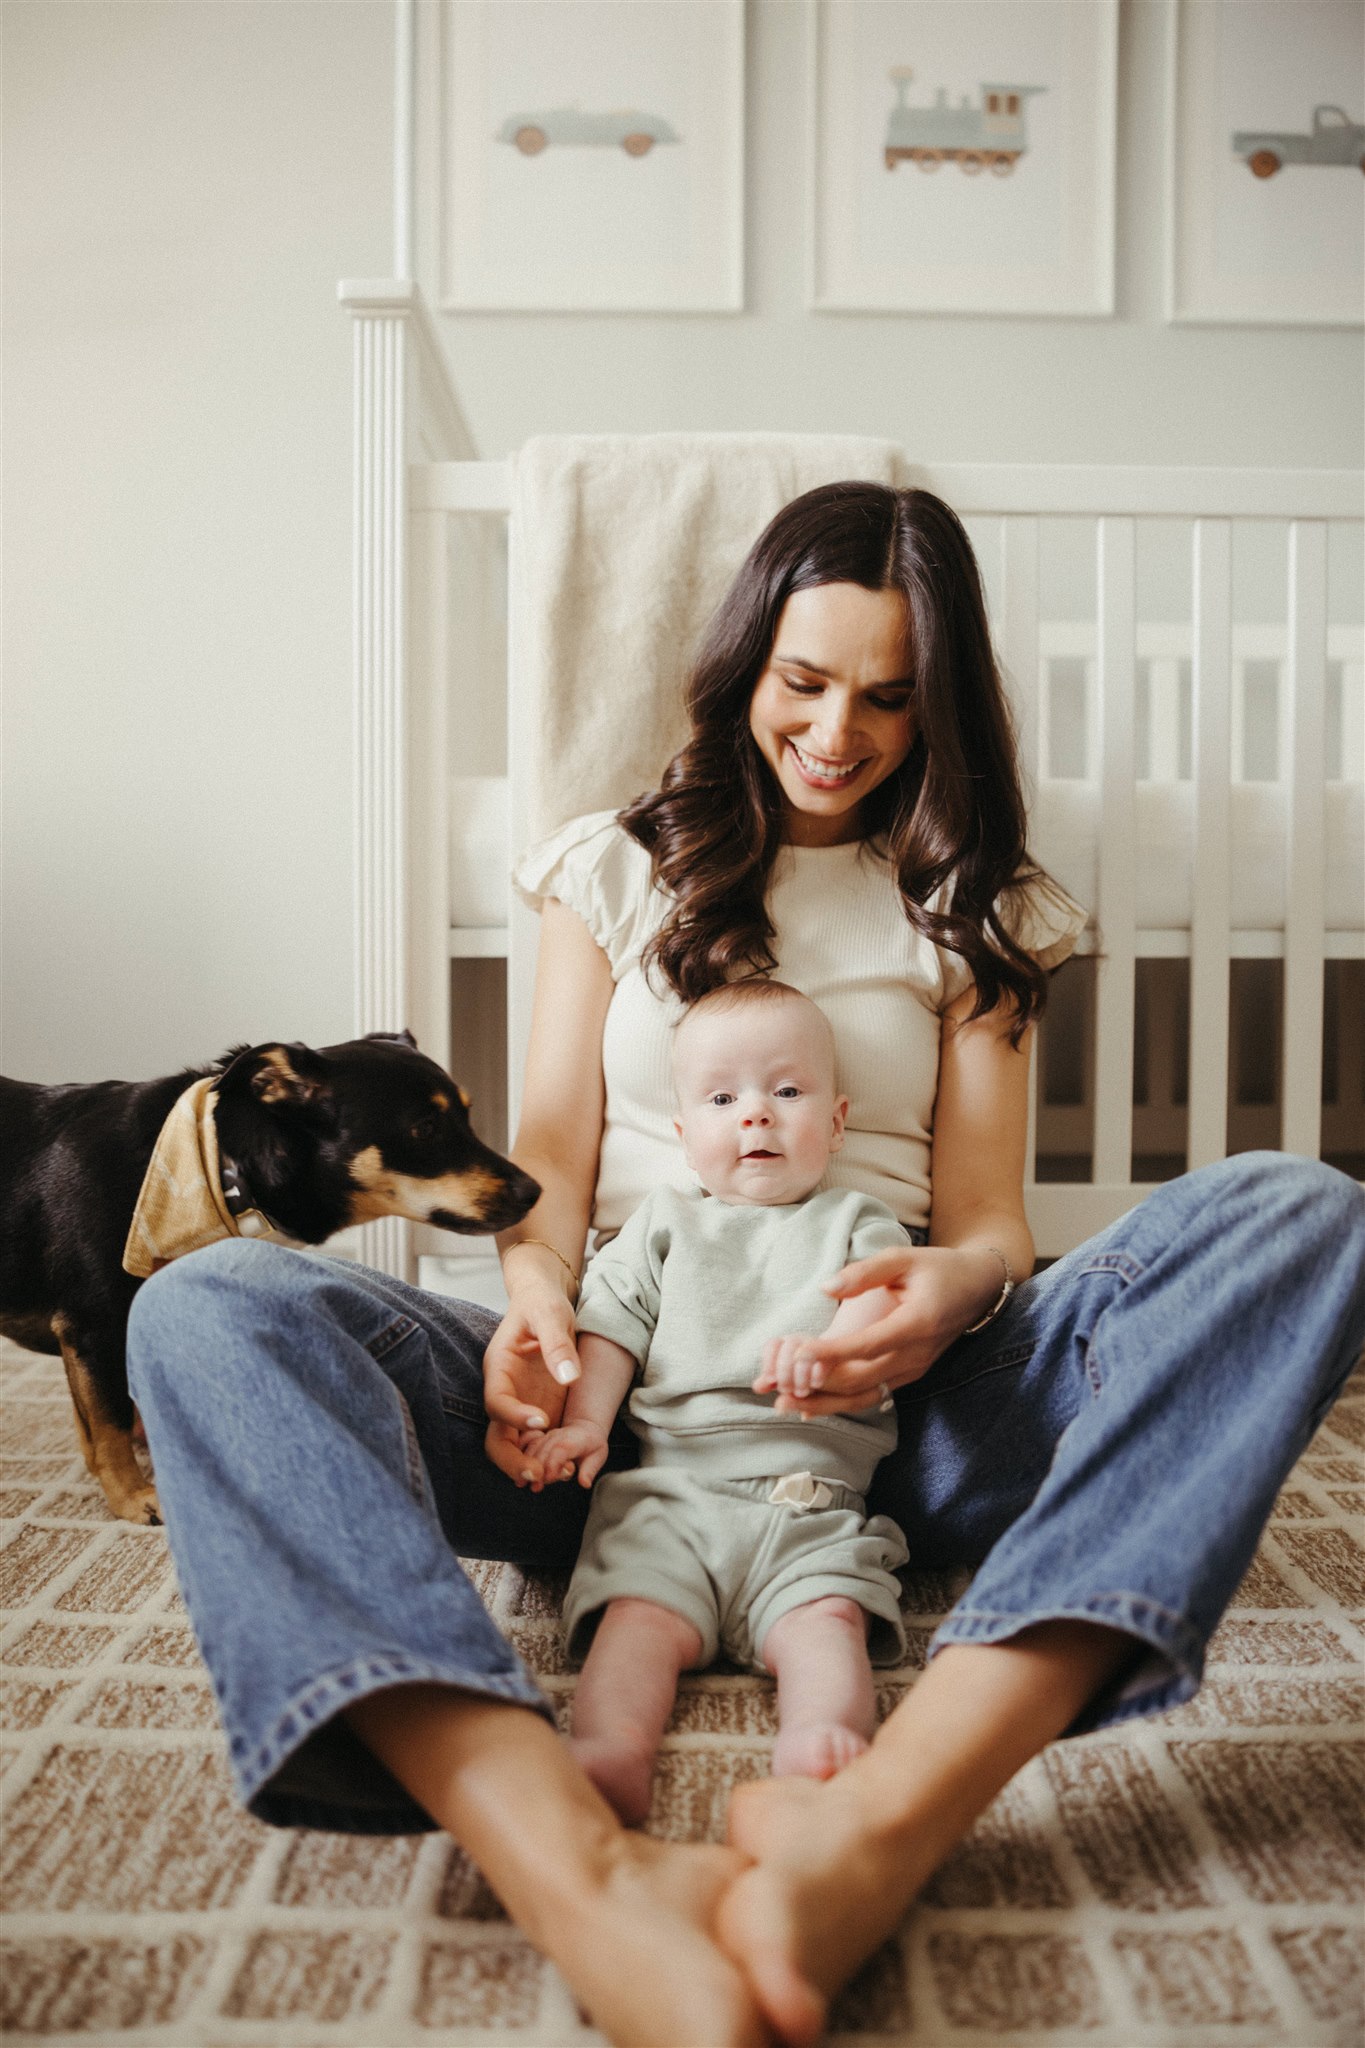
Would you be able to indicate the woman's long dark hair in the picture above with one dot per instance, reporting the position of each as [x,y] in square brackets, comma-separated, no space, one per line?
[952,812]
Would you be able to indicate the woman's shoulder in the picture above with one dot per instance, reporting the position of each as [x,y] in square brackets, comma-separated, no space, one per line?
[594,866]
[1041,919]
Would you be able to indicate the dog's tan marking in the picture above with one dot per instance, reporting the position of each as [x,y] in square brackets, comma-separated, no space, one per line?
[463,1094]
[440,1100]
[382,1192]
[107,1449]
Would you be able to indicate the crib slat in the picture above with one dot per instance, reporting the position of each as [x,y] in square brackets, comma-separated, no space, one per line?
[1116,548]
[1019,638]
[1019,647]
[1304,761]
[1211,882]
[522,923]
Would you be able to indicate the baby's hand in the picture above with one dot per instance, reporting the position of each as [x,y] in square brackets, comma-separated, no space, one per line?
[579,1446]
[788,1371]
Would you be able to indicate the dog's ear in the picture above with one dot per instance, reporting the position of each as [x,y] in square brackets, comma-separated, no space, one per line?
[293,1074]
[403,1037]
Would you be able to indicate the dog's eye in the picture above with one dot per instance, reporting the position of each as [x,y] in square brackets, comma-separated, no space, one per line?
[425,1127]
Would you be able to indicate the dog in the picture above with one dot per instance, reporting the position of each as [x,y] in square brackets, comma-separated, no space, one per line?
[307,1142]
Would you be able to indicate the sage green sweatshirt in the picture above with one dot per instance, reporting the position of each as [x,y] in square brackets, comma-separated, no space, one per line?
[694,1287]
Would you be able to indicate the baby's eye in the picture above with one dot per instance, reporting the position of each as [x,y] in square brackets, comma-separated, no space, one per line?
[720,1100]
[789,1093]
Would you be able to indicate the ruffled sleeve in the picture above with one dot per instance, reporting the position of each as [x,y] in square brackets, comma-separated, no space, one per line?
[1040,917]
[598,870]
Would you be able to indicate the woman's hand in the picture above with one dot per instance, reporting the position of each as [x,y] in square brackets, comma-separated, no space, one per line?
[530,1361]
[929,1294]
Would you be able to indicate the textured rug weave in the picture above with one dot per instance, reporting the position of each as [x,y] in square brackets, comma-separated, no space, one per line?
[1191,1880]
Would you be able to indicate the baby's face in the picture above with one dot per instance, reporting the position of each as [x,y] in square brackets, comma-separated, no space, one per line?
[757,1111]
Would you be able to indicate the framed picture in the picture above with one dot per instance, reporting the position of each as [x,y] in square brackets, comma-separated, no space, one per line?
[1266,196]
[963,156]
[592,156]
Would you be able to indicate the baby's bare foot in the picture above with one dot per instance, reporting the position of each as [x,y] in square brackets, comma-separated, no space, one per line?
[621,1772]
[817,1751]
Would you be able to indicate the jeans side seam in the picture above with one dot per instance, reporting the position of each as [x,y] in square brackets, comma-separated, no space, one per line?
[1122,1263]
[392,1334]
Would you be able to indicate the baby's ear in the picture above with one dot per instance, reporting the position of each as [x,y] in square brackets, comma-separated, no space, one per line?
[840,1118]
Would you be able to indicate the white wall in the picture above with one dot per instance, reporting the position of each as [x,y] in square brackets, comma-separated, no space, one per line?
[949,389]
[185,181]
[184,185]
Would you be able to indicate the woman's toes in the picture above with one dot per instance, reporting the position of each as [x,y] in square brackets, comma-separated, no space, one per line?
[755,1927]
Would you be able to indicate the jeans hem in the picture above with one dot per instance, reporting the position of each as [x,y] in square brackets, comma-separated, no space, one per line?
[1159,1683]
[320,1702]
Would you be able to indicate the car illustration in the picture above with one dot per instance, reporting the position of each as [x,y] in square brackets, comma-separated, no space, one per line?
[1335,139]
[992,134]
[624,127]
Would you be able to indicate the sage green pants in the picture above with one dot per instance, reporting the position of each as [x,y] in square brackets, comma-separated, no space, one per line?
[730,1560]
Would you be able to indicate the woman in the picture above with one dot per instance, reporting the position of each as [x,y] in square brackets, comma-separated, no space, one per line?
[1108,1438]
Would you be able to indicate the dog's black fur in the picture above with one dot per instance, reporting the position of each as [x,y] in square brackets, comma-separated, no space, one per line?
[319,1140]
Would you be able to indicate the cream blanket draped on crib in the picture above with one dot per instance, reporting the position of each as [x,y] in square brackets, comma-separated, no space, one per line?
[622,547]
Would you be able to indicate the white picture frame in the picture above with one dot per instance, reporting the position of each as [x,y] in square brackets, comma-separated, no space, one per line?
[1033,235]
[591,156]
[1281,245]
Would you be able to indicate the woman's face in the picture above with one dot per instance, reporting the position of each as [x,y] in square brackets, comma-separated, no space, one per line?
[831,714]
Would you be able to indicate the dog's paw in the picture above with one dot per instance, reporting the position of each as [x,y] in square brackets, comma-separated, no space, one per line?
[138,1504]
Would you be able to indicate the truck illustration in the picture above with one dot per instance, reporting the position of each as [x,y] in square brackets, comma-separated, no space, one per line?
[1335,139]
[992,134]
[635,132]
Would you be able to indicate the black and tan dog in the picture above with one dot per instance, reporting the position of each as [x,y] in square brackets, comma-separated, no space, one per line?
[101,1184]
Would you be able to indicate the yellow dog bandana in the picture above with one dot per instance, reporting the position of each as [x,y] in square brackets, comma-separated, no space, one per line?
[181,1205]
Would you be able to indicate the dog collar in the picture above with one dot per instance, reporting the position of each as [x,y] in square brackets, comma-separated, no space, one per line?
[250,1218]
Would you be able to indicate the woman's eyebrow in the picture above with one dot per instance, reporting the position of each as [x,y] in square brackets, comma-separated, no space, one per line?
[814,668]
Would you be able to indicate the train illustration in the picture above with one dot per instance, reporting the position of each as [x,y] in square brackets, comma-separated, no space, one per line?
[1333,139]
[990,135]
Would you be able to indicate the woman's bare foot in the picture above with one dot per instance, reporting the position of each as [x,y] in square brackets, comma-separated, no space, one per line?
[639,1951]
[621,1773]
[817,1751]
[818,1900]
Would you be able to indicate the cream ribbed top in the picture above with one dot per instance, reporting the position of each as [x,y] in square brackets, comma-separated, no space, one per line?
[841,936]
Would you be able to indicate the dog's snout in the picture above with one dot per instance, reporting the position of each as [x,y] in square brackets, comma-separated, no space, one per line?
[520,1193]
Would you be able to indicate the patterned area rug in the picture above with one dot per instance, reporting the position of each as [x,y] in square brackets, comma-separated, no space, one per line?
[1192,1880]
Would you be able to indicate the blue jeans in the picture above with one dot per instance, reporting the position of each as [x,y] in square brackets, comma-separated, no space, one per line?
[1109,1449]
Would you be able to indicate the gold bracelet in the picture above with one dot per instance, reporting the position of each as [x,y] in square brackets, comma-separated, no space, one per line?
[545,1245]
[1006,1291]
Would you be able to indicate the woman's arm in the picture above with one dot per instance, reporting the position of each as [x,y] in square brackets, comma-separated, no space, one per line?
[976,1220]
[532,1356]
[980,1135]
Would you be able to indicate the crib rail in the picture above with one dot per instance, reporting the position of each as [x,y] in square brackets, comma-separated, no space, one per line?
[1221,656]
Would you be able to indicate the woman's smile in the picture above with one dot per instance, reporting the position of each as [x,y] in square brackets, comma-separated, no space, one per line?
[823,774]
[831,712]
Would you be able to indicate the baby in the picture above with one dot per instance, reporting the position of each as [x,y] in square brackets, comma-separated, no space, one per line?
[743,1527]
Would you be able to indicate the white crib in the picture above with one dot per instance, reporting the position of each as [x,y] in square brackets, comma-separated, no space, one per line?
[1198,781]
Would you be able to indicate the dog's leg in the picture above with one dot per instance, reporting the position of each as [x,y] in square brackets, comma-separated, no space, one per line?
[106,1445]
